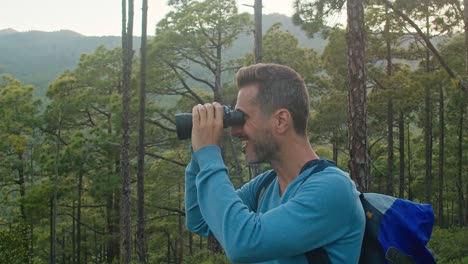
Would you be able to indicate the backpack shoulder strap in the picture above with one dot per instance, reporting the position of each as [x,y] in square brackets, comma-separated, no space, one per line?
[263,185]
[320,166]
[317,255]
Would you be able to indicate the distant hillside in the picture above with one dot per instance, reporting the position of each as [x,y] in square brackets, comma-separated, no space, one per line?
[37,57]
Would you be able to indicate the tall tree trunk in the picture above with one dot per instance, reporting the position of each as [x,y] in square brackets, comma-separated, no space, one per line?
[428,143]
[22,187]
[113,215]
[390,158]
[465,94]
[141,240]
[85,248]
[64,255]
[258,56]
[51,238]
[391,161]
[31,226]
[74,239]
[440,215]
[357,116]
[126,223]
[410,180]
[96,249]
[401,139]
[112,248]
[78,217]
[258,31]
[465,22]
[168,236]
[218,92]
[335,146]
[390,179]
[460,165]
[428,120]
[180,238]
[190,243]
[53,231]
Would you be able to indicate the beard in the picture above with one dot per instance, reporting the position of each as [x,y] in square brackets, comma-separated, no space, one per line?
[265,149]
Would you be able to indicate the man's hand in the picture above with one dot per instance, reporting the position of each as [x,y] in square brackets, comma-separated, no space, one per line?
[207,125]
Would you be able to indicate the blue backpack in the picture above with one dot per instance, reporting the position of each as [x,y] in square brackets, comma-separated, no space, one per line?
[397,230]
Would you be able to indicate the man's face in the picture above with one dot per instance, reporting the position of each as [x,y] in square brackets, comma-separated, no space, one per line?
[258,143]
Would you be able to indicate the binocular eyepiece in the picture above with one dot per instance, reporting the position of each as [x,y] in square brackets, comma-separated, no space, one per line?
[184,121]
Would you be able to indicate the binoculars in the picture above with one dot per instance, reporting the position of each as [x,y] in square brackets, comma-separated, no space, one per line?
[184,121]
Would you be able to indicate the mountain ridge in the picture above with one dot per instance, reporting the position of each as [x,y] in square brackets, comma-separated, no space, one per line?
[38,57]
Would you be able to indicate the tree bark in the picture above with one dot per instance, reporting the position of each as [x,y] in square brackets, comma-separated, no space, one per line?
[428,121]
[180,238]
[78,217]
[391,161]
[218,92]
[410,181]
[460,166]
[357,116]
[258,31]
[141,240]
[465,94]
[440,215]
[22,187]
[335,146]
[127,39]
[428,143]
[401,139]
[53,227]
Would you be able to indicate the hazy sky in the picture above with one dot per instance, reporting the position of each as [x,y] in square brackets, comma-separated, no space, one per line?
[97,17]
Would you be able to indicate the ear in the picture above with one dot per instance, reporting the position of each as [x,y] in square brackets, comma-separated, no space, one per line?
[282,120]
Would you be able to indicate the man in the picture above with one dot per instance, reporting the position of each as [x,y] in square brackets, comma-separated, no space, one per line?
[296,213]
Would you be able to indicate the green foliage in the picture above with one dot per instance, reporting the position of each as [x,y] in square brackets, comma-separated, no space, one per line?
[312,15]
[14,248]
[450,246]
[206,257]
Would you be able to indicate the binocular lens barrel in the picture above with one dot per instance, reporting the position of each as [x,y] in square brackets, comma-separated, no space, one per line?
[184,122]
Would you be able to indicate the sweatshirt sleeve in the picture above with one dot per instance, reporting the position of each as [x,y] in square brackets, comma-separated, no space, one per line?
[194,219]
[281,232]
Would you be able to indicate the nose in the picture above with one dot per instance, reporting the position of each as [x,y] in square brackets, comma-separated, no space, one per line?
[236,131]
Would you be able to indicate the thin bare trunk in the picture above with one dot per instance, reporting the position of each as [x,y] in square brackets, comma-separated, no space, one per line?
[401,139]
[410,181]
[460,166]
[126,221]
[218,92]
[53,231]
[141,240]
[428,121]
[391,160]
[78,217]
[258,31]
[180,239]
[428,143]
[335,147]
[441,158]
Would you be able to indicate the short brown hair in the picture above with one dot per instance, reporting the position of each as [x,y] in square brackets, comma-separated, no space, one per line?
[278,87]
